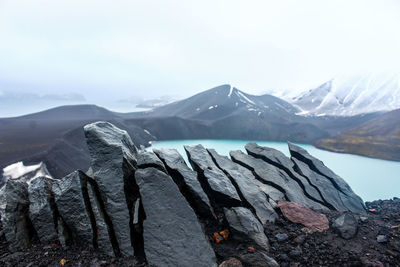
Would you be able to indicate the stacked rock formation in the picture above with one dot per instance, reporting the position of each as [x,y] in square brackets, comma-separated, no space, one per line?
[154,207]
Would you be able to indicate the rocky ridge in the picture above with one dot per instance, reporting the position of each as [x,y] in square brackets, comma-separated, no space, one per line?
[152,209]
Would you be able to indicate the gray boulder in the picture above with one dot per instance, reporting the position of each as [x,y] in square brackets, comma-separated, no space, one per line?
[14,211]
[113,162]
[247,186]
[346,225]
[171,232]
[277,178]
[353,201]
[147,159]
[223,191]
[258,259]
[73,208]
[186,179]
[243,221]
[42,209]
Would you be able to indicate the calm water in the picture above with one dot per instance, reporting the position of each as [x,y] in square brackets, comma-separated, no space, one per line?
[370,178]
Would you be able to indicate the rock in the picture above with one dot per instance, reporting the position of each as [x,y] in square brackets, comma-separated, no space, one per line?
[244,222]
[171,232]
[281,237]
[258,259]
[279,160]
[273,176]
[73,208]
[222,190]
[352,201]
[147,159]
[104,231]
[305,216]
[381,239]
[42,209]
[370,263]
[232,262]
[300,239]
[113,161]
[247,186]
[187,181]
[14,210]
[294,253]
[346,225]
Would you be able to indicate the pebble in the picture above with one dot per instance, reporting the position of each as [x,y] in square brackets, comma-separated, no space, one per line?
[300,239]
[281,237]
[381,239]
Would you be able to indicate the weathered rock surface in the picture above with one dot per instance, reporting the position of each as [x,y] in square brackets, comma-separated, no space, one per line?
[346,225]
[42,209]
[73,208]
[307,217]
[258,259]
[232,262]
[275,177]
[147,159]
[248,188]
[352,202]
[113,161]
[223,191]
[279,160]
[172,234]
[14,210]
[187,181]
[243,221]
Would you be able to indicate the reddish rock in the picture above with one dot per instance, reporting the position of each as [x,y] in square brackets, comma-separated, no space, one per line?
[305,216]
[232,262]
[251,249]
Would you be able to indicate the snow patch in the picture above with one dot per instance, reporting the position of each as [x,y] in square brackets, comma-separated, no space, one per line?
[230,91]
[244,97]
[19,170]
[146,131]
[210,107]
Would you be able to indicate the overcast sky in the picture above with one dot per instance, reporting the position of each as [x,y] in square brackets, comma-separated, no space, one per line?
[108,50]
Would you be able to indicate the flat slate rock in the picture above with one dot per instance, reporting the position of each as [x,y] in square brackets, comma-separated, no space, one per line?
[277,178]
[14,210]
[223,191]
[279,160]
[42,209]
[187,178]
[147,159]
[171,232]
[113,159]
[246,184]
[243,221]
[353,201]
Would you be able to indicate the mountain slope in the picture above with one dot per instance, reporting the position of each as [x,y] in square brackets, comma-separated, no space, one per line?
[378,138]
[349,96]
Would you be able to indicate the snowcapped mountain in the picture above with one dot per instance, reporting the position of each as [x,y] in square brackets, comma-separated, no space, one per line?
[349,96]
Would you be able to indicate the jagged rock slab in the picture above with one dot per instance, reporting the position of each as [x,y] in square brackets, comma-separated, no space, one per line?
[247,186]
[279,160]
[243,221]
[42,209]
[275,177]
[113,161]
[147,159]
[171,232]
[14,210]
[186,179]
[222,188]
[72,206]
[305,216]
[330,194]
[353,201]
[104,233]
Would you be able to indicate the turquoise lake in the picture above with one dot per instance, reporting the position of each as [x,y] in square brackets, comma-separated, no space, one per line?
[371,179]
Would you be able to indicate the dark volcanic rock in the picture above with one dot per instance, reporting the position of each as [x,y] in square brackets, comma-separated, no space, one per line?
[277,178]
[113,161]
[346,225]
[14,210]
[222,188]
[258,259]
[42,209]
[352,202]
[147,159]
[232,262]
[72,206]
[243,221]
[279,160]
[172,234]
[245,182]
[186,179]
